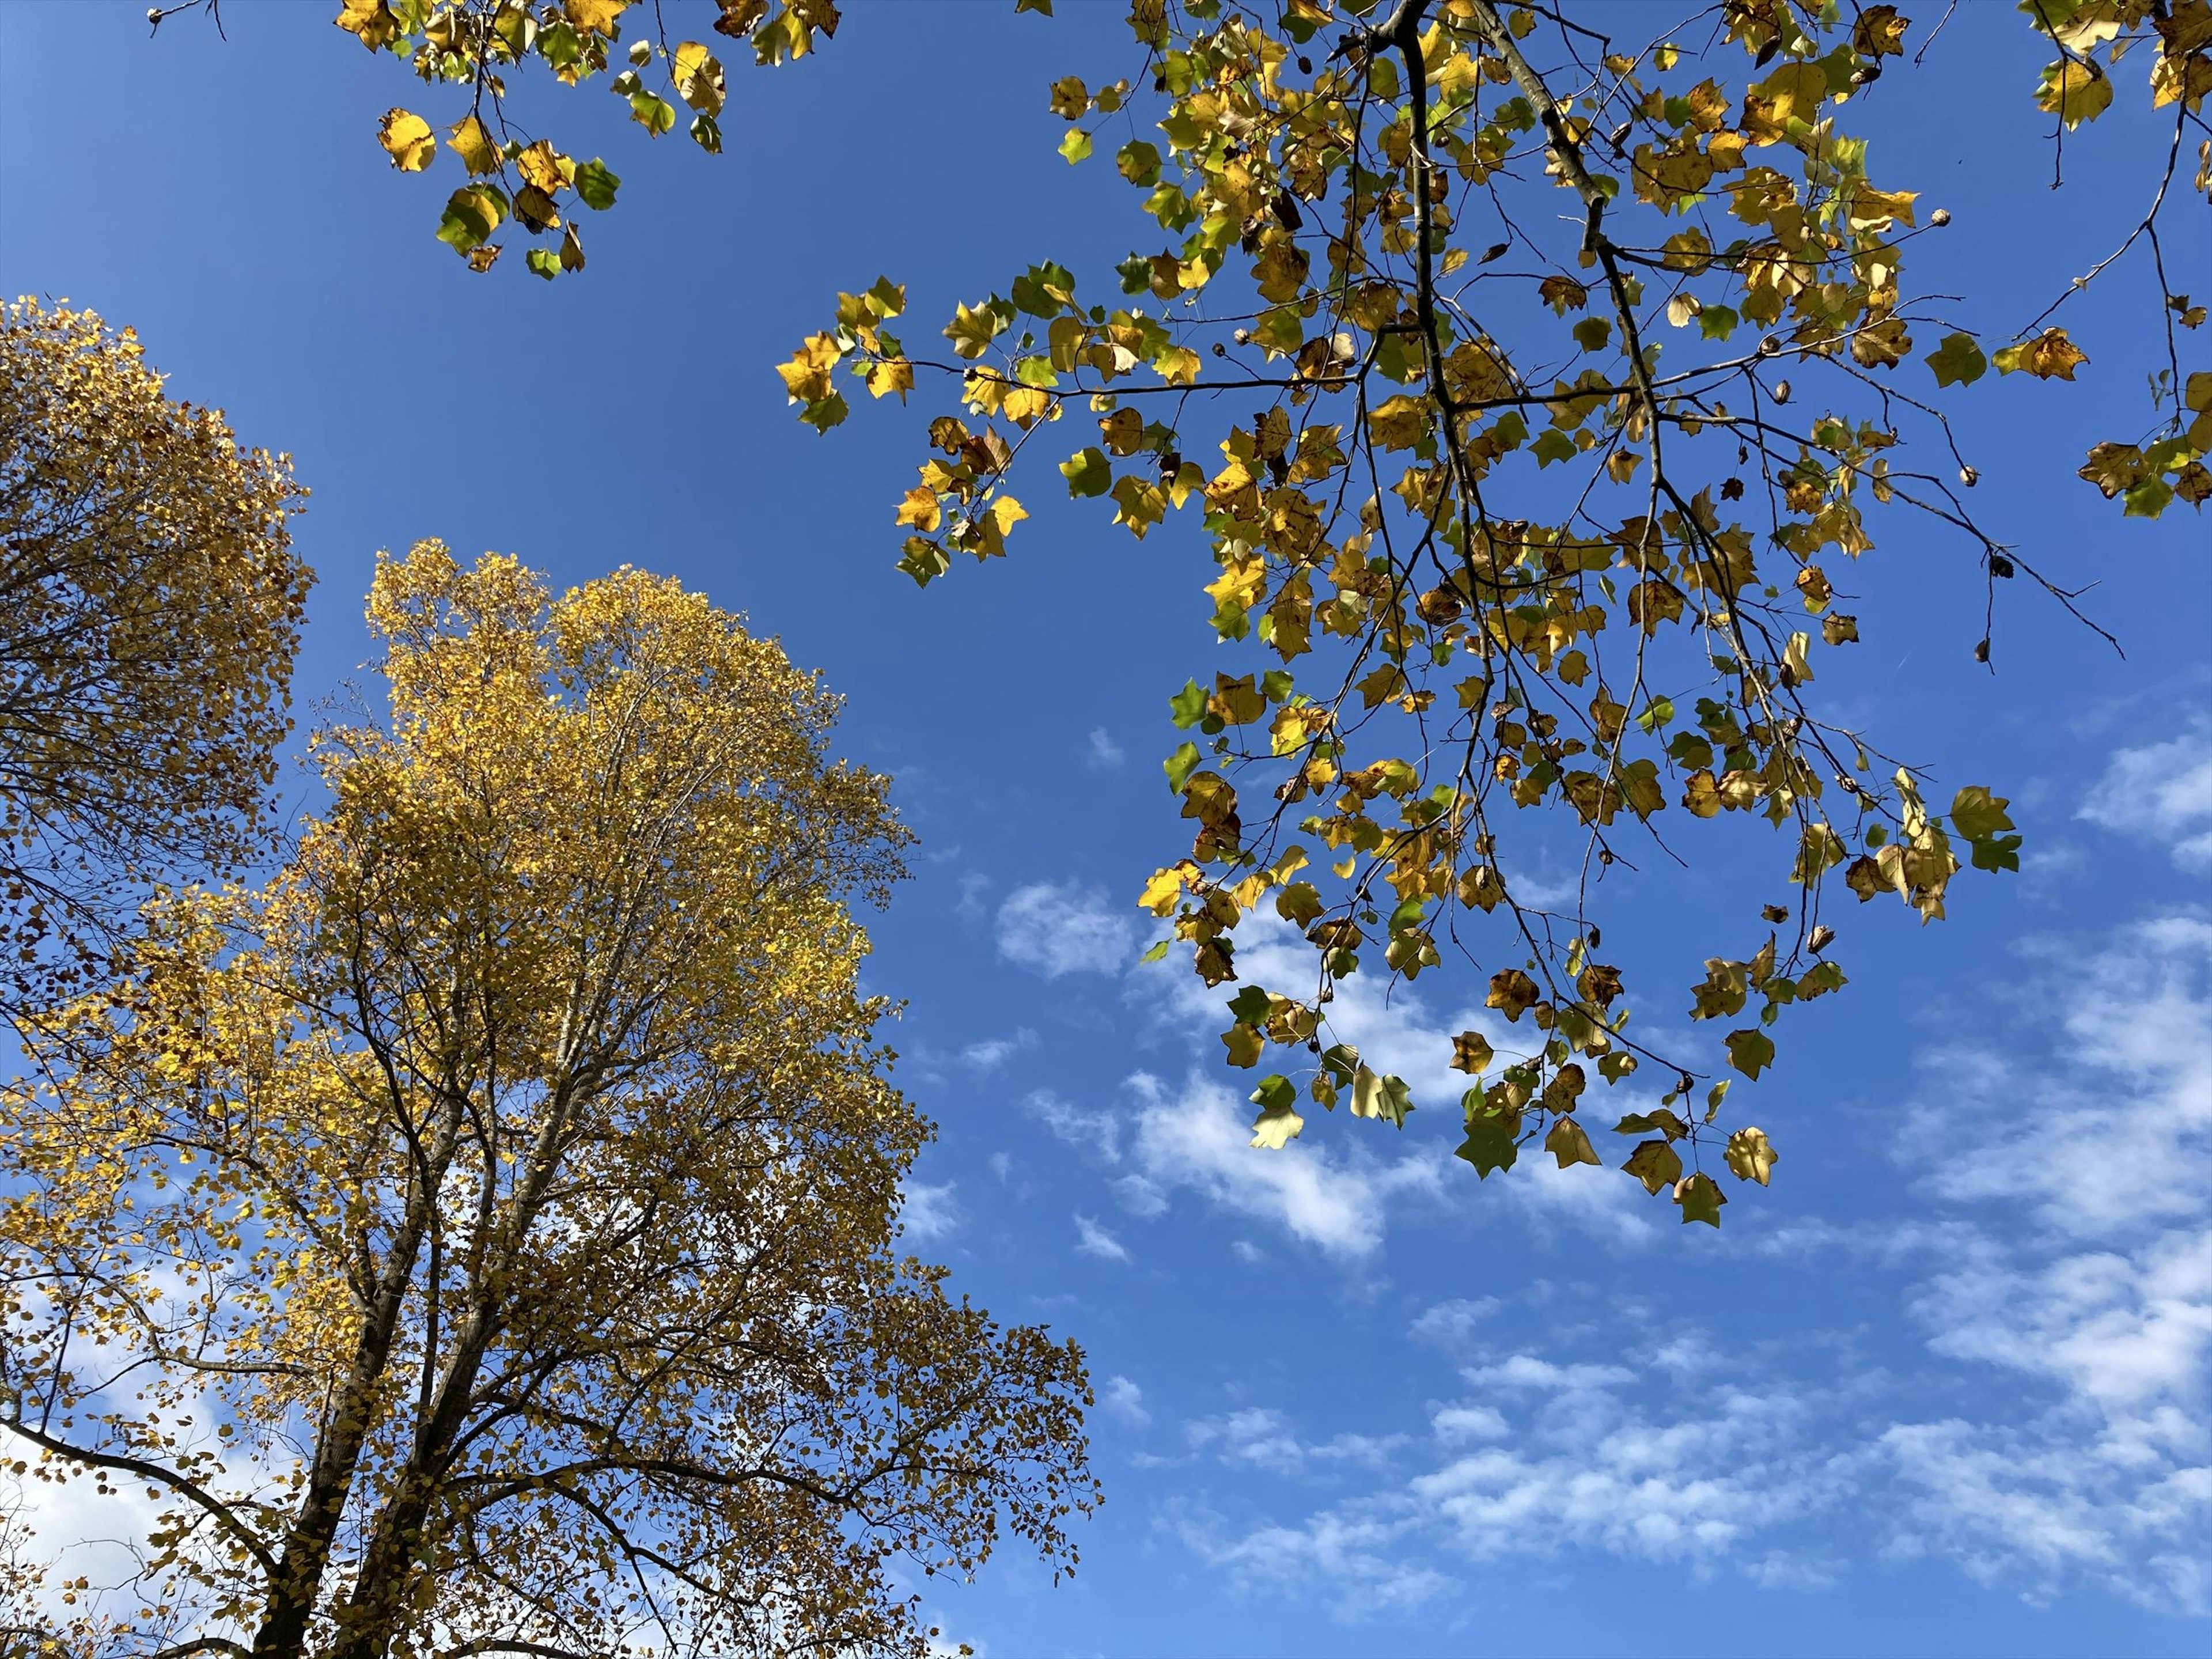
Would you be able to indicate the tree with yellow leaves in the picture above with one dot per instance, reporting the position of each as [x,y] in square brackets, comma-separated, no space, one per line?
[149,612]
[483,1238]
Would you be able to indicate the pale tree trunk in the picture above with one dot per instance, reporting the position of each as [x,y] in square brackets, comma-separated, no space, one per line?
[298,1582]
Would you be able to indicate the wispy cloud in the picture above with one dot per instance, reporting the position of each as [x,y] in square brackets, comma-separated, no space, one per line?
[1124,1399]
[2064,1277]
[1103,754]
[931,1211]
[1064,928]
[1091,1239]
[1198,1138]
[1096,1132]
[2161,791]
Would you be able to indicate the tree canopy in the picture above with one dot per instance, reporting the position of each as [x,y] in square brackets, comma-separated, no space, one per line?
[1541,396]
[484,1236]
[150,613]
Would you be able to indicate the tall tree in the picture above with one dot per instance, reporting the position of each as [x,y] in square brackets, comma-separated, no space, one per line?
[1558,386]
[484,1238]
[149,612]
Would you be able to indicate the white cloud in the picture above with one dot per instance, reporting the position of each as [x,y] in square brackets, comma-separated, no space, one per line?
[1199,1138]
[2161,791]
[973,886]
[2113,1132]
[1097,1133]
[1360,1552]
[930,1211]
[1451,1325]
[995,1052]
[1091,1239]
[1464,1422]
[1064,928]
[1260,1436]
[1103,755]
[1679,1479]
[1124,1399]
[2063,1275]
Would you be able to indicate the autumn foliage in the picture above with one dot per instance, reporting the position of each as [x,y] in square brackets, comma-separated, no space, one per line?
[488,1229]
[149,612]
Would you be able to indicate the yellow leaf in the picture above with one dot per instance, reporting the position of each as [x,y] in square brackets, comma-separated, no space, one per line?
[891,374]
[1165,888]
[698,77]
[2049,356]
[1569,1144]
[371,20]
[920,509]
[594,16]
[472,142]
[540,167]
[406,139]
[1750,1155]
[2076,90]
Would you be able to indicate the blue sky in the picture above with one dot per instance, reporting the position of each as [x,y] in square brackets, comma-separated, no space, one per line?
[1941,1390]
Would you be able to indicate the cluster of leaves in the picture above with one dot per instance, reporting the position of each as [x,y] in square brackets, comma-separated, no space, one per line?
[483,1237]
[1354,226]
[515,180]
[149,612]
[1365,247]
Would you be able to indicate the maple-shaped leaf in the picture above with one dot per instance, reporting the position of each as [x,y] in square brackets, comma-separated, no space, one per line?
[1750,1155]
[1958,361]
[1511,991]
[1701,1199]
[1569,1144]
[1749,1051]
[2049,356]
[1656,1165]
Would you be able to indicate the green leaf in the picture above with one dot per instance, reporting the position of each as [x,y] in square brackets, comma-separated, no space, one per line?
[1158,952]
[1383,1097]
[655,115]
[1275,1094]
[1998,852]
[545,262]
[1749,1051]
[1701,1199]
[1138,162]
[1076,146]
[2148,499]
[473,214]
[1179,765]
[707,133]
[1958,361]
[1089,473]
[1188,706]
[1492,1143]
[1978,814]
[1553,446]
[597,186]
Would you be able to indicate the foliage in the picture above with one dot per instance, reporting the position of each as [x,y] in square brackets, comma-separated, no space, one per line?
[485,1233]
[1526,513]
[149,612]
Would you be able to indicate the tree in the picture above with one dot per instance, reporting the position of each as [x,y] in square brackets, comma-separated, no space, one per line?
[1528,514]
[483,1238]
[149,612]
